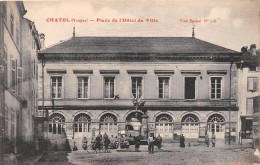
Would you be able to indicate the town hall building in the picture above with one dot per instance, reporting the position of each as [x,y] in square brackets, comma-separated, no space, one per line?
[186,85]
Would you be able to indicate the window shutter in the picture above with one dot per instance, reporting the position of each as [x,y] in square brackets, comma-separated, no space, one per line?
[13,74]
[250,104]
[252,83]
[20,80]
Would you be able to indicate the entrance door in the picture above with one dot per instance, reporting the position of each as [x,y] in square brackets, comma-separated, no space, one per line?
[190,126]
[216,124]
[164,126]
[56,127]
[82,126]
[108,124]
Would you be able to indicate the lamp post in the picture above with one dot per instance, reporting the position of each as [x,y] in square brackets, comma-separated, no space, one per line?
[229,108]
[139,103]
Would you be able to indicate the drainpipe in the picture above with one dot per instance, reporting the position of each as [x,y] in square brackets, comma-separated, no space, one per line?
[43,64]
[229,109]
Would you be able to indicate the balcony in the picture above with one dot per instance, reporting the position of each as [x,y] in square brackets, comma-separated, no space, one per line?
[121,104]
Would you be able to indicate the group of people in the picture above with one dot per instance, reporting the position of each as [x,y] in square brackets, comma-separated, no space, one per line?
[154,141]
[122,142]
[207,140]
[98,142]
[213,139]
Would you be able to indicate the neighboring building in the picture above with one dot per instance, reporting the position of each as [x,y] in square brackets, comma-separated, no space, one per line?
[256,123]
[87,86]
[31,42]
[2,119]
[248,88]
[16,55]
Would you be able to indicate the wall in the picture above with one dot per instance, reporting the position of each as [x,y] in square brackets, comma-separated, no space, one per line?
[123,79]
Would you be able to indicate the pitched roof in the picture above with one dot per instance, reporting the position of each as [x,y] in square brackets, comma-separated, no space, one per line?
[104,45]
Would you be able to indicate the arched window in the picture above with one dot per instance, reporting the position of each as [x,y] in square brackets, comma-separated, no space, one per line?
[108,123]
[216,123]
[190,126]
[164,125]
[164,118]
[190,118]
[56,124]
[82,123]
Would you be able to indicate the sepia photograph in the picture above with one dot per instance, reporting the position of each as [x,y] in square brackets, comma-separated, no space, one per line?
[141,82]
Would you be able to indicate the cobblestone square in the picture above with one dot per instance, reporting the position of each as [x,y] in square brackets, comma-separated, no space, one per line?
[169,155]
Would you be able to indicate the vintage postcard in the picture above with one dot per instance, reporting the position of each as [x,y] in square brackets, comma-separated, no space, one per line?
[130,82]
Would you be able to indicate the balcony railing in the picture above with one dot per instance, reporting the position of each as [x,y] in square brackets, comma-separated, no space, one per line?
[127,103]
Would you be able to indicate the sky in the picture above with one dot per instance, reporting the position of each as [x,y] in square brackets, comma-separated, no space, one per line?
[228,23]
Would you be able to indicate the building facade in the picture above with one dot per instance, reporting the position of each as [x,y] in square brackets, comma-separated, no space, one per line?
[90,84]
[15,60]
[2,119]
[32,44]
[256,123]
[248,88]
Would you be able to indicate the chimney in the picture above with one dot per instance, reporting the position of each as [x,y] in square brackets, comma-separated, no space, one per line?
[244,49]
[42,40]
[193,33]
[253,49]
[73,31]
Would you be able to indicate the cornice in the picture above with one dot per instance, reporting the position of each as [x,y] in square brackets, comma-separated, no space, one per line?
[140,57]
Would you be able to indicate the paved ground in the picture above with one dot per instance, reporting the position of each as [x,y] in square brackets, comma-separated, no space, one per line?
[168,155]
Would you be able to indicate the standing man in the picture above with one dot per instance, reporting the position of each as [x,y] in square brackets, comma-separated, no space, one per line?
[36,145]
[98,142]
[182,141]
[137,143]
[213,139]
[207,139]
[106,143]
[84,143]
[151,143]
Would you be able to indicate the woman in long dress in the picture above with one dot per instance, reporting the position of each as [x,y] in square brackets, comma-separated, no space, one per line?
[182,141]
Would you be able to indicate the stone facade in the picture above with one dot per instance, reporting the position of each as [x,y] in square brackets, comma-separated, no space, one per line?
[164,83]
[248,88]
[16,61]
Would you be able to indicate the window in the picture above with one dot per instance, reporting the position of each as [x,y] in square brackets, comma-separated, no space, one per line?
[34,69]
[82,87]
[82,123]
[13,74]
[164,87]
[56,87]
[108,124]
[215,87]
[5,65]
[4,11]
[216,123]
[12,124]
[249,106]
[137,87]
[56,124]
[190,87]
[20,80]
[6,122]
[109,87]
[17,36]
[252,83]
[17,124]
[12,24]
[164,125]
